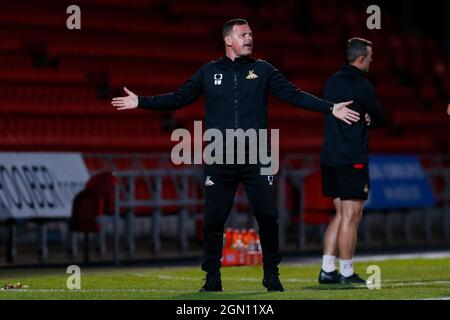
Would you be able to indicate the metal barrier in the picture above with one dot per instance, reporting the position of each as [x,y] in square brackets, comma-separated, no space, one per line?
[297,166]
[125,198]
[294,168]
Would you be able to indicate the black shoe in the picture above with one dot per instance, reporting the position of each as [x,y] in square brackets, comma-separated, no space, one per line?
[272,282]
[353,279]
[213,283]
[328,277]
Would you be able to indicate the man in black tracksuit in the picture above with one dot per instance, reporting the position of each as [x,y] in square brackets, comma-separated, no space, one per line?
[236,88]
[344,160]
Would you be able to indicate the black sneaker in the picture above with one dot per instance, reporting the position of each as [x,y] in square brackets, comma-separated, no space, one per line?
[272,282]
[328,277]
[353,279]
[213,283]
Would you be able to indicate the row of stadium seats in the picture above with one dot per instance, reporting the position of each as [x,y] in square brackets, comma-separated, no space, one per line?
[153,47]
[104,133]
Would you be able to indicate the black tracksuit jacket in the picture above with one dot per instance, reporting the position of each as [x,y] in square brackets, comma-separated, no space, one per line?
[343,143]
[236,94]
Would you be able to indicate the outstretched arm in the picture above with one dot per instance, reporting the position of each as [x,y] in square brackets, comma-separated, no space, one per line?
[286,91]
[190,91]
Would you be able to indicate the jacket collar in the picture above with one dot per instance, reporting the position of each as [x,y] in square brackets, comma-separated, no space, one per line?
[238,61]
[350,69]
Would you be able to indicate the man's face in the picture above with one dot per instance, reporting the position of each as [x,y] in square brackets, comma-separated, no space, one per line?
[240,40]
[366,60]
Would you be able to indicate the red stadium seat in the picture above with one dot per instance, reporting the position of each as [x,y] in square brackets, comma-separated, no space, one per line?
[87,207]
[317,208]
[103,184]
[86,210]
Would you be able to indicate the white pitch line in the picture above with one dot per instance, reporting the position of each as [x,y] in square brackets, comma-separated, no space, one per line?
[391,284]
[94,290]
[405,256]
[166,277]
[120,290]
[388,283]
[381,257]
[417,283]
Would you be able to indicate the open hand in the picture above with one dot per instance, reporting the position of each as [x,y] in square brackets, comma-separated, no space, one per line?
[345,114]
[126,103]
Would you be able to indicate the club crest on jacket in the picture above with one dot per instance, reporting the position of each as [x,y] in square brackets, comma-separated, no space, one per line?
[251,75]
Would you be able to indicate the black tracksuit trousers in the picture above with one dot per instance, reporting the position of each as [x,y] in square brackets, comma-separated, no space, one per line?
[221,182]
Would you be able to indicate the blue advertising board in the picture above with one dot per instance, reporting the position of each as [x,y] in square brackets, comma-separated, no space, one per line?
[398,181]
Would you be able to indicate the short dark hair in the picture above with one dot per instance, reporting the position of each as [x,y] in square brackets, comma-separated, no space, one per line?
[355,48]
[228,26]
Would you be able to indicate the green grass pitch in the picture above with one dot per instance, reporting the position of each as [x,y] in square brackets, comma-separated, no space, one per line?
[400,279]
